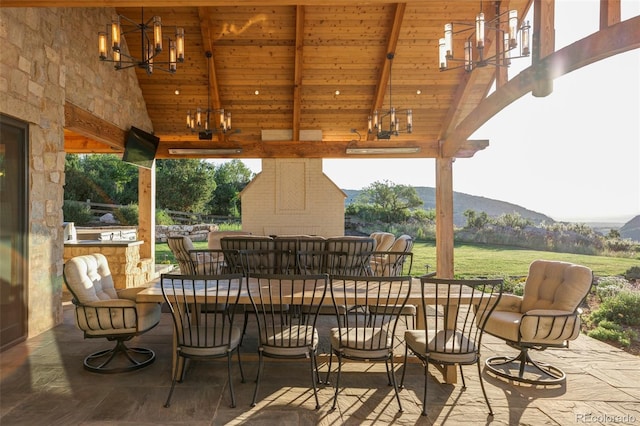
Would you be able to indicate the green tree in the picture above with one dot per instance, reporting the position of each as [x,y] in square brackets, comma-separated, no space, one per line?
[476,220]
[101,178]
[184,185]
[231,178]
[392,202]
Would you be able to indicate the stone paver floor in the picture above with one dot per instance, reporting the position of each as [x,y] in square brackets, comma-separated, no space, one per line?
[42,382]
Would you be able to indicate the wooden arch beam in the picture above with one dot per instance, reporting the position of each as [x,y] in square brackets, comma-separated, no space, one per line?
[605,43]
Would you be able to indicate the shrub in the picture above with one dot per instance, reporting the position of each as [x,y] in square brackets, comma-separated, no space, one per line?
[77,212]
[609,286]
[163,218]
[514,286]
[127,215]
[632,273]
[623,308]
[608,331]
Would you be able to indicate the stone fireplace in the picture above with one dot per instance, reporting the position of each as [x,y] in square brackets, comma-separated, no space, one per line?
[293,196]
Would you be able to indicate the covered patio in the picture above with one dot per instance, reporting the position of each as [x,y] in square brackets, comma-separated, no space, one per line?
[43,382]
[325,69]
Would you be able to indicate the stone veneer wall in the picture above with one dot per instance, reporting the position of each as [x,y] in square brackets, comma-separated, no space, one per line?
[293,196]
[48,57]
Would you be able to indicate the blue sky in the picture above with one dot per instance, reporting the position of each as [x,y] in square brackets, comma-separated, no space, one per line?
[573,155]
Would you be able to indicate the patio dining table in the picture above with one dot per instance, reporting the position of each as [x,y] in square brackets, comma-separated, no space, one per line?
[154,294]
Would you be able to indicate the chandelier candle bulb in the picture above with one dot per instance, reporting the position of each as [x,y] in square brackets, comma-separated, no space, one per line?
[507,52]
[468,56]
[157,34]
[102,45]
[172,56]
[480,31]
[448,41]
[115,35]
[513,29]
[442,54]
[524,39]
[180,44]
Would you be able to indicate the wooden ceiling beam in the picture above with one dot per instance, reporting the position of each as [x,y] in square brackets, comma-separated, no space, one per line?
[181,3]
[385,69]
[82,122]
[294,149]
[608,42]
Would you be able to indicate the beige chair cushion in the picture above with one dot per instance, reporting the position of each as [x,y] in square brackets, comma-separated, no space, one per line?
[448,346]
[89,278]
[363,343]
[555,285]
[293,341]
[213,343]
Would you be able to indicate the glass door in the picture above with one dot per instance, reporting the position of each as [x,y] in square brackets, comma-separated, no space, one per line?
[14,137]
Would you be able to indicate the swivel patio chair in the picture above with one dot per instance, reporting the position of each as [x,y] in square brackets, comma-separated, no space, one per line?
[283,333]
[180,247]
[453,336]
[203,336]
[106,313]
[384,240]
[546,316]
[366,335]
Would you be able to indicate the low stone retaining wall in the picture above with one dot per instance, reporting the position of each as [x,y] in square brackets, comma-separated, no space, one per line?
[195,232]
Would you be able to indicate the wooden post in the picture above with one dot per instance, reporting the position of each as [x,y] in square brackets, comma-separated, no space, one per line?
[444,217]
[543,45]
[146,211]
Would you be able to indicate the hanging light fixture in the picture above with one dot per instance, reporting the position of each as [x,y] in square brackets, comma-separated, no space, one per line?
[151,45]
[386,123]
[507,34]
[200,120]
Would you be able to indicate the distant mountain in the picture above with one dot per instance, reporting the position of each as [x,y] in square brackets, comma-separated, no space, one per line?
[631,229]
[463,202]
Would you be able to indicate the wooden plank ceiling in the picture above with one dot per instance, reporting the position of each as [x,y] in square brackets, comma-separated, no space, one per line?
[278,66]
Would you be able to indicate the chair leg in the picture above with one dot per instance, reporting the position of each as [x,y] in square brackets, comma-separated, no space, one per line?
[233,395]
[395,384]
[314,373]
[424,394]
[240,364]
[464,385]
[484,392]
[259,376]
[335,395]
[404,365]
[326,381]
[174,379]
[386,366]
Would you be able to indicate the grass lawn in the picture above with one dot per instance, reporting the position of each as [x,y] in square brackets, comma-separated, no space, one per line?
[481,260]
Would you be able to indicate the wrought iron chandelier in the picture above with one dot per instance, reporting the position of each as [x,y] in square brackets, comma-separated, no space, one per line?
[507,32]
[195,120]
[151,45]
[386,123]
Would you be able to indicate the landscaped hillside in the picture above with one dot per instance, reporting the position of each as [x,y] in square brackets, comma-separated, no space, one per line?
[463,202]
